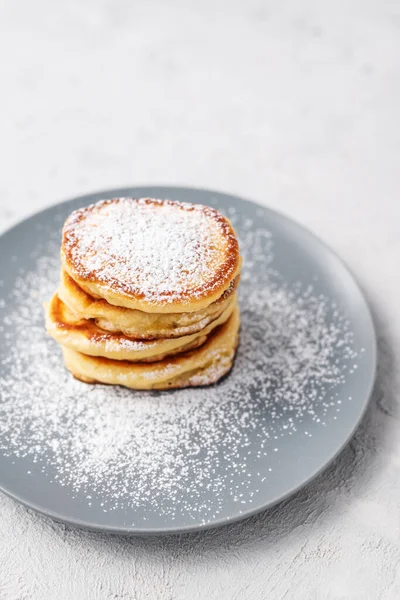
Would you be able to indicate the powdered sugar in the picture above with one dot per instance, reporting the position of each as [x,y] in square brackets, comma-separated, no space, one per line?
[149,455]
[158,251]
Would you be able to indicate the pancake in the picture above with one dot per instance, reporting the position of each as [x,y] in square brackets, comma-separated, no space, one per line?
[136,323]
[156,256]
[83,335]
[202,366]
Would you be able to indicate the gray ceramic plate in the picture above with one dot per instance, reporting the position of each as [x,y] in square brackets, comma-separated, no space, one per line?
[114,460]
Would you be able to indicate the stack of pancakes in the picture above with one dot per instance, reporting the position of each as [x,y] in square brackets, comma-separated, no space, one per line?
[147,297]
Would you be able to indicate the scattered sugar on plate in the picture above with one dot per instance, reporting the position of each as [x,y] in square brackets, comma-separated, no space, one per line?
[185,450]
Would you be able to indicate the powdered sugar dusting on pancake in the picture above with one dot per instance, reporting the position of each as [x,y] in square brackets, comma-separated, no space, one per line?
[156,250]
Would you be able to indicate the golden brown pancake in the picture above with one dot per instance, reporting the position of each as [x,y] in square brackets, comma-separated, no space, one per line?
[83,335]
[155,256]
[136,323]
[202,366]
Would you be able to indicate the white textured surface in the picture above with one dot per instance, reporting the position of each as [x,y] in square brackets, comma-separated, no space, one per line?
[295,104]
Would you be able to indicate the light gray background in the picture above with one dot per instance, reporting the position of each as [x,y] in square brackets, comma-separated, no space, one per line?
[294,104]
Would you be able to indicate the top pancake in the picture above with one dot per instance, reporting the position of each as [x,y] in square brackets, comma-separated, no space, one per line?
[151,255]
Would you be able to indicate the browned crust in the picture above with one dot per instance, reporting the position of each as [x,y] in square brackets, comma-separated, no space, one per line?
[87,298]
[87,326]
[220,346]
[59,319]
[167,361]
[184,381]
[220,281]
[91,304]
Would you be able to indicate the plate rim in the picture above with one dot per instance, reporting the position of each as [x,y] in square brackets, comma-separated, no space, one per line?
[217,523]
